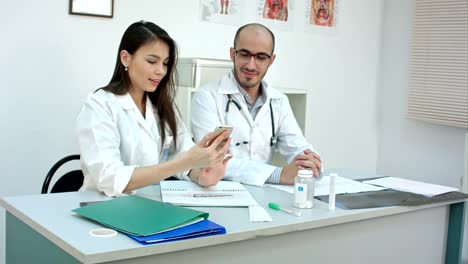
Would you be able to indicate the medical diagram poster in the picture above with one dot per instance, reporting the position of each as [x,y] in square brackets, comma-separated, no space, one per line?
[229,12]
[321,15]
[276,14]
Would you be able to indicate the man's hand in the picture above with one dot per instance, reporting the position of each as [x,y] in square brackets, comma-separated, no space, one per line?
[309,160]
[288,173]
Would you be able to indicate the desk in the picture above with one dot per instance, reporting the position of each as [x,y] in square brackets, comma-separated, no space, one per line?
[42,229]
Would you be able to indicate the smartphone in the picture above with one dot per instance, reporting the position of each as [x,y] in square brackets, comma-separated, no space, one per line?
[220,129]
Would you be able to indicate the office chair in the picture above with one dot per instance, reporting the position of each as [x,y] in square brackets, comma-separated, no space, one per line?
[69,182]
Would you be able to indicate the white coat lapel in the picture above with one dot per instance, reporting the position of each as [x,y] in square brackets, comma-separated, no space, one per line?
[230,87]
[150,121]
[272,96]
[127,103]
[244,110]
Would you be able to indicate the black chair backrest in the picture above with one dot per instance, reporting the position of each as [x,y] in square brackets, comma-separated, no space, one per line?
[69,182]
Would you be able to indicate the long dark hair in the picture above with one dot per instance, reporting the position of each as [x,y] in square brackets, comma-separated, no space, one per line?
[137,35]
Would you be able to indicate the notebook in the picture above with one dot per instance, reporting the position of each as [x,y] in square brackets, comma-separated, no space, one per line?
[200,229]
[225,193]
[140,216]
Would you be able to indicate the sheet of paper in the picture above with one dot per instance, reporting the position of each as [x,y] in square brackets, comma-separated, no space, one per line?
[225,193]
[412,186]
[342,185]
[259,214]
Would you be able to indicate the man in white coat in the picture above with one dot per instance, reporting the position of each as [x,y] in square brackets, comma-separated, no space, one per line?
[261,115]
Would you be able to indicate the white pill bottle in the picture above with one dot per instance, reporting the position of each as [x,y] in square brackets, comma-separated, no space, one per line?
[304,185]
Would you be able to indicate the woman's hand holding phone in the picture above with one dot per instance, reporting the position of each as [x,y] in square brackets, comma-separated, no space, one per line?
[225,131]
[219,129]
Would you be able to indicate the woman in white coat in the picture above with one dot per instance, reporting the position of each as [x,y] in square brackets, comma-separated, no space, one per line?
[130,134]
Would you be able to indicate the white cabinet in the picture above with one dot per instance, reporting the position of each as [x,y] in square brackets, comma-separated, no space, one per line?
[193,72]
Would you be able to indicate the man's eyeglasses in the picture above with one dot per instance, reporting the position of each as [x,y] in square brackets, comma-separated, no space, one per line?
[243,56]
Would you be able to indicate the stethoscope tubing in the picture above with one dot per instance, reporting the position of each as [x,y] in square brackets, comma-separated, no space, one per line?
[273,139]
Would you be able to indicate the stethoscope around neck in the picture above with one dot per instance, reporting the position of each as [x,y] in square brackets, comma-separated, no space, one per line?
[273,139]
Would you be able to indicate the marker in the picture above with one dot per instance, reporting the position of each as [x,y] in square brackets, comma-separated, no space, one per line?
[277,207]
[332,193]
[201,195]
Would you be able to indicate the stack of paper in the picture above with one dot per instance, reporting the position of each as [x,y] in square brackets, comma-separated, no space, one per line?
[399,184]
[342,185]
[150,221]
[225,193]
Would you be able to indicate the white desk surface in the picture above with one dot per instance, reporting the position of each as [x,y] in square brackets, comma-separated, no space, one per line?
[52,217]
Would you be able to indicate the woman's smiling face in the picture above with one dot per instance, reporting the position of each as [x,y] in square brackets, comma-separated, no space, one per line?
[147,66]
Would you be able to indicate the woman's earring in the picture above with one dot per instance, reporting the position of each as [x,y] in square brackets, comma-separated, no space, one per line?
[126,68]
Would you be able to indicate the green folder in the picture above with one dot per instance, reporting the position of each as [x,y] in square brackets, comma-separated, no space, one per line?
[139,216]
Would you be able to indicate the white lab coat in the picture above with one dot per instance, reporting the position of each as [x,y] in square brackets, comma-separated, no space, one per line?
[114,139]
[250,163]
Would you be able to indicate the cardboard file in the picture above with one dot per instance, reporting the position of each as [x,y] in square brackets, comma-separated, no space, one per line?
[140,216]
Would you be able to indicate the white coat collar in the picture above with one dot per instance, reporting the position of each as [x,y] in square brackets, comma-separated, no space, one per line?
[229,85]
[127,103]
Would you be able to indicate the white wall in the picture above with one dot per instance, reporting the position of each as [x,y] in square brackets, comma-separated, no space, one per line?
[407,148]
[51,60]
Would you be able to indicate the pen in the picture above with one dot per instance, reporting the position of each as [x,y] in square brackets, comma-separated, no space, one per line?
[200,195]
[93,202]
[88,203]
[277,207]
